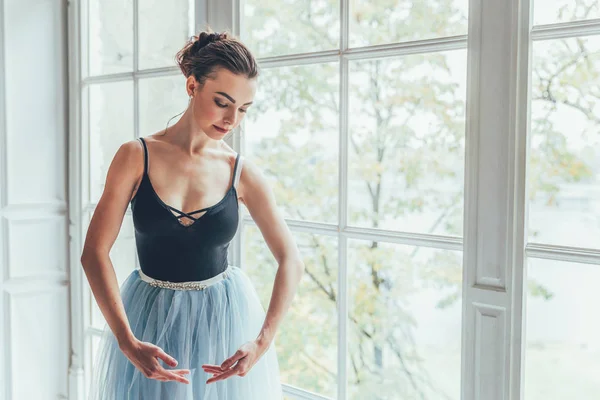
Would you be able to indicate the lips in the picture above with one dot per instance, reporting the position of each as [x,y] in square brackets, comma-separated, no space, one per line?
[221,129]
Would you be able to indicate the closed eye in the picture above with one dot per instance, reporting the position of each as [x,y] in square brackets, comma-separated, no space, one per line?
[225,106]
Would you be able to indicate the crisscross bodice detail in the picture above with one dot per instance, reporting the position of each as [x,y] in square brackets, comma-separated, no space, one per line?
[179,213]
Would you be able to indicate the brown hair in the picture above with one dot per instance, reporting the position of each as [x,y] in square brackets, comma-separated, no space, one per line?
[209,51]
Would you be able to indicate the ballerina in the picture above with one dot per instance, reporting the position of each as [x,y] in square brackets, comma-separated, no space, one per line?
[187,306]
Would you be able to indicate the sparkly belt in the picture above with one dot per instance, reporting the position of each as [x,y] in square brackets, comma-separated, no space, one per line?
[191,285]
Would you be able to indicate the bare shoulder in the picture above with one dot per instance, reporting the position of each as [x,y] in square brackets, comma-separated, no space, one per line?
[125,169]
[253,185]
[129,160]
[128,163]
[251,180]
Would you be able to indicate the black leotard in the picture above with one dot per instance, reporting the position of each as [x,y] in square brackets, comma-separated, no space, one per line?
[170,251]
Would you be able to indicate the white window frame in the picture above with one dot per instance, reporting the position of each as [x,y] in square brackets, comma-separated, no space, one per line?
[498,102]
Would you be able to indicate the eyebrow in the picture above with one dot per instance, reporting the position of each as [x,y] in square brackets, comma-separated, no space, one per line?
[231,98]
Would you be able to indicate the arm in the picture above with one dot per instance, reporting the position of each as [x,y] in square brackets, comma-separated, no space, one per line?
[255,193]
[123,173]
[258,197]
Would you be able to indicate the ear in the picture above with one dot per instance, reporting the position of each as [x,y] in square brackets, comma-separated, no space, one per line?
[190,85]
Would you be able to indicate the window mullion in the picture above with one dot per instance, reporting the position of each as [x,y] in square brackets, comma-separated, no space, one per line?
[77,65]
[343,305]
[493,272]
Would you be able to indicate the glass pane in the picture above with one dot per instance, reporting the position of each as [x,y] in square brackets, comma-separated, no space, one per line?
[553,11]
[563,166]
[163,30]
[562,355]
[110,36]
[111,124]
[294,26]
[93,346]
[160,100]
[122,256]
[404,322]
[392,21]
[406,147]
[307,339]
[292,135]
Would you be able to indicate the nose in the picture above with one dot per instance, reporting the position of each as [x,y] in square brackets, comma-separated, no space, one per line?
[231,117]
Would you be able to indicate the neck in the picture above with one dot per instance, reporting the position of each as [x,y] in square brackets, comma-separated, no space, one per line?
[187,135]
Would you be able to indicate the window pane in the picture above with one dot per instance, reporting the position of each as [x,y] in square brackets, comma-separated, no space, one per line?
[564,157]
[553,11]
[294,26]
[292,133]
[160,100]
[122,256]
[383,22]
[163,30]
[562,357]
[404,323]
[111,124]
[307,339]
[92,344]
[110,36]
[407,131]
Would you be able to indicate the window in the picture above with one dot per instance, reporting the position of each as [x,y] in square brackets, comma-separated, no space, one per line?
[364,148]
[562,353]
[359,124]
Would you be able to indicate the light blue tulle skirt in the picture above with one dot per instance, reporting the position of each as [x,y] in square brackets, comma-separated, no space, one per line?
[195,327]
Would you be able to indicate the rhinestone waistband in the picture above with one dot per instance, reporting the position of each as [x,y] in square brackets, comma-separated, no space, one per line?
[190,285]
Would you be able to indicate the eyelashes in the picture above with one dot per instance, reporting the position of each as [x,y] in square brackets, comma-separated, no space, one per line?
[225,105]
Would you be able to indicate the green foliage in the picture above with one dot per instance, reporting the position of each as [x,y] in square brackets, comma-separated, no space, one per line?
[537,290]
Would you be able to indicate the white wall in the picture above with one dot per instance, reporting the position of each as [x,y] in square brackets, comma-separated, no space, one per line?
[34,305]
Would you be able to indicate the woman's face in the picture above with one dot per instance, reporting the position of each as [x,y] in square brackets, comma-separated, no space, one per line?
[222,102]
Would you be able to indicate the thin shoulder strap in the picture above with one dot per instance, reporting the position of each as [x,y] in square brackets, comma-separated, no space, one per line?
[237,170]
[145,156]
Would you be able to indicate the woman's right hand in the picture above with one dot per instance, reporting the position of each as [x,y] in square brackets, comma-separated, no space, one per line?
[144,356]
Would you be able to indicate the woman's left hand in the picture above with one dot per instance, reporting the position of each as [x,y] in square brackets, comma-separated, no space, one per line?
[239,364]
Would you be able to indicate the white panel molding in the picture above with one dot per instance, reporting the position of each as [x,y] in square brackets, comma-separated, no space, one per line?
[35,122]
[34,285]
[489,347]
[28,210]
[497,113]
[37,247]
[48,347]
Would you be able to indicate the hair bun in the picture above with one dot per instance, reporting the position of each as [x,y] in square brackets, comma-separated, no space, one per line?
[205,38]
[203,54]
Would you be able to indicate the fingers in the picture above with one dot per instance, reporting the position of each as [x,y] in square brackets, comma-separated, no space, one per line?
[160,353]
[231,360]
[225,375]
[166,375]
[175,376]
[212,368]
